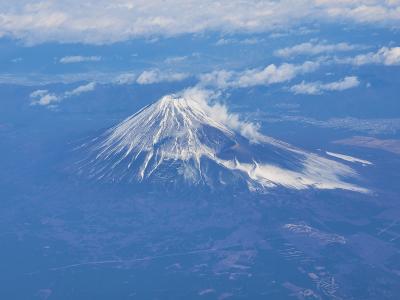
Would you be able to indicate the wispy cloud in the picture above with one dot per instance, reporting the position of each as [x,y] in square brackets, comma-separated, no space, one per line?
[220,112]
[349,158]
[316,88]
[176,59]
[157,76]
[81,89]
[313,48]
[46,98]
[125,78]
[246,41]
[78,59]
[43,97]
[16,60]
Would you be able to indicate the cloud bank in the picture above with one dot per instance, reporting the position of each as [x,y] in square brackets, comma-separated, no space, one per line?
[101,21]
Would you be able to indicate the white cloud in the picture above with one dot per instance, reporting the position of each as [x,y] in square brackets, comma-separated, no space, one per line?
[316,88]
[246,41]
[349,158]
[273,74]
[311,48]
[103,21]
[38,93]
[219,112]
[45,98]
[384,56]
[81,89]
[220,79]
[252,77]
[156,76]
[78,59]
[42,79]
[225,41]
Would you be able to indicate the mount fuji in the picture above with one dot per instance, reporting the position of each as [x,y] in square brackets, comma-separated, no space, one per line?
[182,139]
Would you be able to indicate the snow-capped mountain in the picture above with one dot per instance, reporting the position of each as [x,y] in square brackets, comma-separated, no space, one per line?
[180,139]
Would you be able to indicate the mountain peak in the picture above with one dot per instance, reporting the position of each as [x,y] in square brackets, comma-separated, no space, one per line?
[173,100]
[177,138]
[172,129]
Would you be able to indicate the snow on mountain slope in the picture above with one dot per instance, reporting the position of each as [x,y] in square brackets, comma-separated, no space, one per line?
[183,137]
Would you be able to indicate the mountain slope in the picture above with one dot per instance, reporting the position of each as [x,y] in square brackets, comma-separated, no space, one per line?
[177,140]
